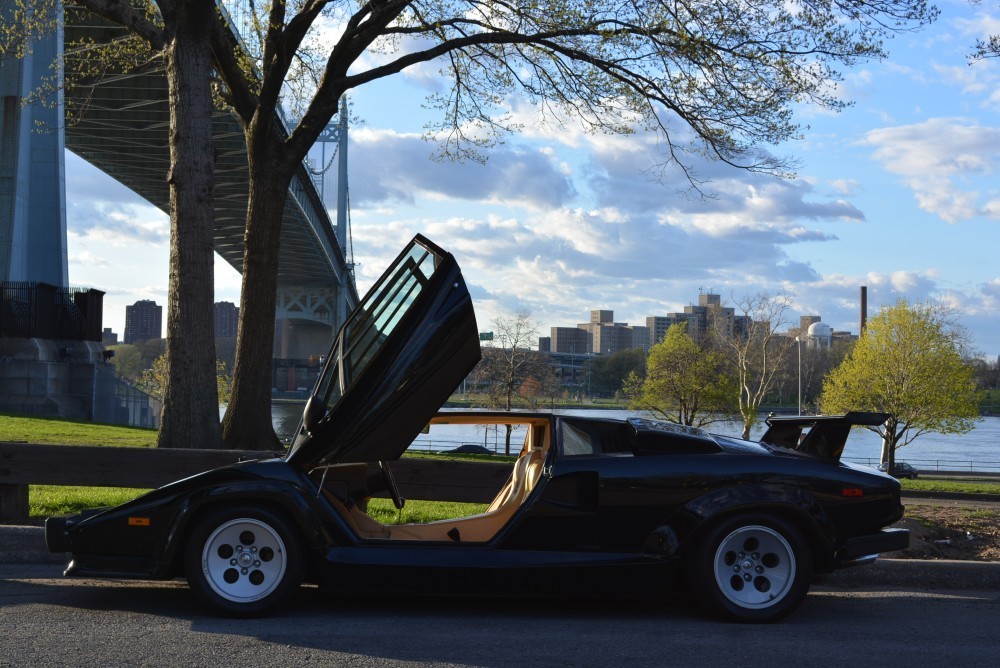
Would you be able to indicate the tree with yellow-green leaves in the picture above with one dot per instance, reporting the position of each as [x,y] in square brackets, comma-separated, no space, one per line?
[908,363]
[155,379]
[685,383]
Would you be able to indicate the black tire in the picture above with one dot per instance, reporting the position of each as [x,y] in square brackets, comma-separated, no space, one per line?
[242,561]
[750,568]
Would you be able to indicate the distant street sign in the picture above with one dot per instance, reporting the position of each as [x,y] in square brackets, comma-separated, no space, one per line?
[485,336]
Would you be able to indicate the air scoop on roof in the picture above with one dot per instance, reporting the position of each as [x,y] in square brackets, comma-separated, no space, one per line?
[652,437]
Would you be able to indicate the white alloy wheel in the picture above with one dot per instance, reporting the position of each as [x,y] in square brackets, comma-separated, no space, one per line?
[244,560]
[754,567]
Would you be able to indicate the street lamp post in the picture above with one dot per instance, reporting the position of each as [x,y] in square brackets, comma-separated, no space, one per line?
[590,371]
[798,339]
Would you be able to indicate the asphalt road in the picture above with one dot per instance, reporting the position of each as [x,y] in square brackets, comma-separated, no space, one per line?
[51,621]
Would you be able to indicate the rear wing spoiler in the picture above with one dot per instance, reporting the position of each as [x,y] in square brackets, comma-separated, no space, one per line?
[821,435]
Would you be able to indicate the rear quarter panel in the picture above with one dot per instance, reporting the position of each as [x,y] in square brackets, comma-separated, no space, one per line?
[616,502]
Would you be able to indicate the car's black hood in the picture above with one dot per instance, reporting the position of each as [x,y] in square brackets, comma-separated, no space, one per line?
[396,360]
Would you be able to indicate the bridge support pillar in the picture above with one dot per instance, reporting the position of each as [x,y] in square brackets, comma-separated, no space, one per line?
[32,167]
[306,318]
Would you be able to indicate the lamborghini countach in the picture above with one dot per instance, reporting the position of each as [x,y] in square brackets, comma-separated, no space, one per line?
[590,507]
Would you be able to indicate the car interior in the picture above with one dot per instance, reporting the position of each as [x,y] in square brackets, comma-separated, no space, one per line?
[347,488]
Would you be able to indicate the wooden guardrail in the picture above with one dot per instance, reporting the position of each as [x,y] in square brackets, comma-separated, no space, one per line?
[23,464]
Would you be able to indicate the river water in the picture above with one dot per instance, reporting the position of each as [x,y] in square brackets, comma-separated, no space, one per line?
[979,450]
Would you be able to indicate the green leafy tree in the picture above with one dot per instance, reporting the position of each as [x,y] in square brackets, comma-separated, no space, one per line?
[155,379]
[684,382]
[909,364]
[128,361]
[608,372]
[132,359]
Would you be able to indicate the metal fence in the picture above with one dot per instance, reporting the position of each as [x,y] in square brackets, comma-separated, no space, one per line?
[38,310]
[949,466]
[119,402]
[79,390]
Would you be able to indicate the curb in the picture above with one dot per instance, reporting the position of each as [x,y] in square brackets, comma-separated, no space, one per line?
[26,545]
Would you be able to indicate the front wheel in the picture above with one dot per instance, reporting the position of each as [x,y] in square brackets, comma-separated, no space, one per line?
[751,569]
[243,561]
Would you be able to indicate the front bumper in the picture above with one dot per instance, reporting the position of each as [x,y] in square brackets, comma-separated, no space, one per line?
[56,538]
[866,548]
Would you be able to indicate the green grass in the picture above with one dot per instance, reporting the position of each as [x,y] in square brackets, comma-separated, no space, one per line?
[958,486]
[421,511]
[465,456]
[57,431]
[49,500]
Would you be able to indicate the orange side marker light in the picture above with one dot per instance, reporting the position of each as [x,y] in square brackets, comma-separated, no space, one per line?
[138,521]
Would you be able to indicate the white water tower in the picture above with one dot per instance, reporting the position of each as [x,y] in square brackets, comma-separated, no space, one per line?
[820,335]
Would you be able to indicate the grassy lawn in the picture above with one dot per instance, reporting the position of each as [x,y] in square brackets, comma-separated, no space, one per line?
[49,500]
[421,511]
[958,486]
[57,431]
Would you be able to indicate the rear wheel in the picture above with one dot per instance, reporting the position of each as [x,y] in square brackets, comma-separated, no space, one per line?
[751,569]
[243,561]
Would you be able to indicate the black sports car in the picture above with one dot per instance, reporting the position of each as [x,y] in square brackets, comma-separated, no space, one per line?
[592,506]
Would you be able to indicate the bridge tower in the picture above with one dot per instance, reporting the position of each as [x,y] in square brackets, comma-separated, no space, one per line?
[307,316]
[121,124]
[32,167]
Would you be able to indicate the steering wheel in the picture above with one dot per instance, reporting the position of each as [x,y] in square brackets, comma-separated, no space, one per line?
[390,483]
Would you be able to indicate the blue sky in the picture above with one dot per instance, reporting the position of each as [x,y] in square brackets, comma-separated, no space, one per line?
[899,193]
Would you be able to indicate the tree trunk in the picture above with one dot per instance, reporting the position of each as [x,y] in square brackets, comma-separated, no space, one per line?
[749,417]
[247,423]
[190,415]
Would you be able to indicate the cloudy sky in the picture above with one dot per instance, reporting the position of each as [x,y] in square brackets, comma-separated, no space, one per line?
[898,192]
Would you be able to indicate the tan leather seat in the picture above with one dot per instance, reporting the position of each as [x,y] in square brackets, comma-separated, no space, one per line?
[481,528]
[362,524]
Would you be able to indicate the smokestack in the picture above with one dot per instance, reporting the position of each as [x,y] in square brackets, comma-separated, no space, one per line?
[864,309]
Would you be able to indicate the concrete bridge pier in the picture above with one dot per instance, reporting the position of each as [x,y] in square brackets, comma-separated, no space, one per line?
[306,318]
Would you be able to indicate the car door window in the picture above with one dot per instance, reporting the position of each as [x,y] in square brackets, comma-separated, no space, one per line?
[374,321]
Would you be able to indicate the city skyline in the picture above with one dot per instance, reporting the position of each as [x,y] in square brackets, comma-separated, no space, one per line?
[895,193]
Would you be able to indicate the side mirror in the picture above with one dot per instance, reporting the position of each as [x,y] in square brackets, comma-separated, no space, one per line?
[312,414]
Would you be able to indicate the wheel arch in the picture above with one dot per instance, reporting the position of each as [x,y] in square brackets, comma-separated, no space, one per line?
[287,501]
[795,506]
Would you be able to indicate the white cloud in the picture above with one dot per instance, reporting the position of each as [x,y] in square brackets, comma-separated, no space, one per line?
[388,166]
[980,26]
[938,159]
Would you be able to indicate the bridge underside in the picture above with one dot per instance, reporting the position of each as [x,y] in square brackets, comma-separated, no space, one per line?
[120,124]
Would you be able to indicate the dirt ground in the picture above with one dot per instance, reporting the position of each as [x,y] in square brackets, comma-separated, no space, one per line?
[950,530]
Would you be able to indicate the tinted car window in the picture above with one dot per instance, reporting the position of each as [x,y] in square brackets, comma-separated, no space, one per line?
[592,438]
[375,319]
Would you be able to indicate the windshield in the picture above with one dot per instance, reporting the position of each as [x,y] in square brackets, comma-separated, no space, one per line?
[373,322]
